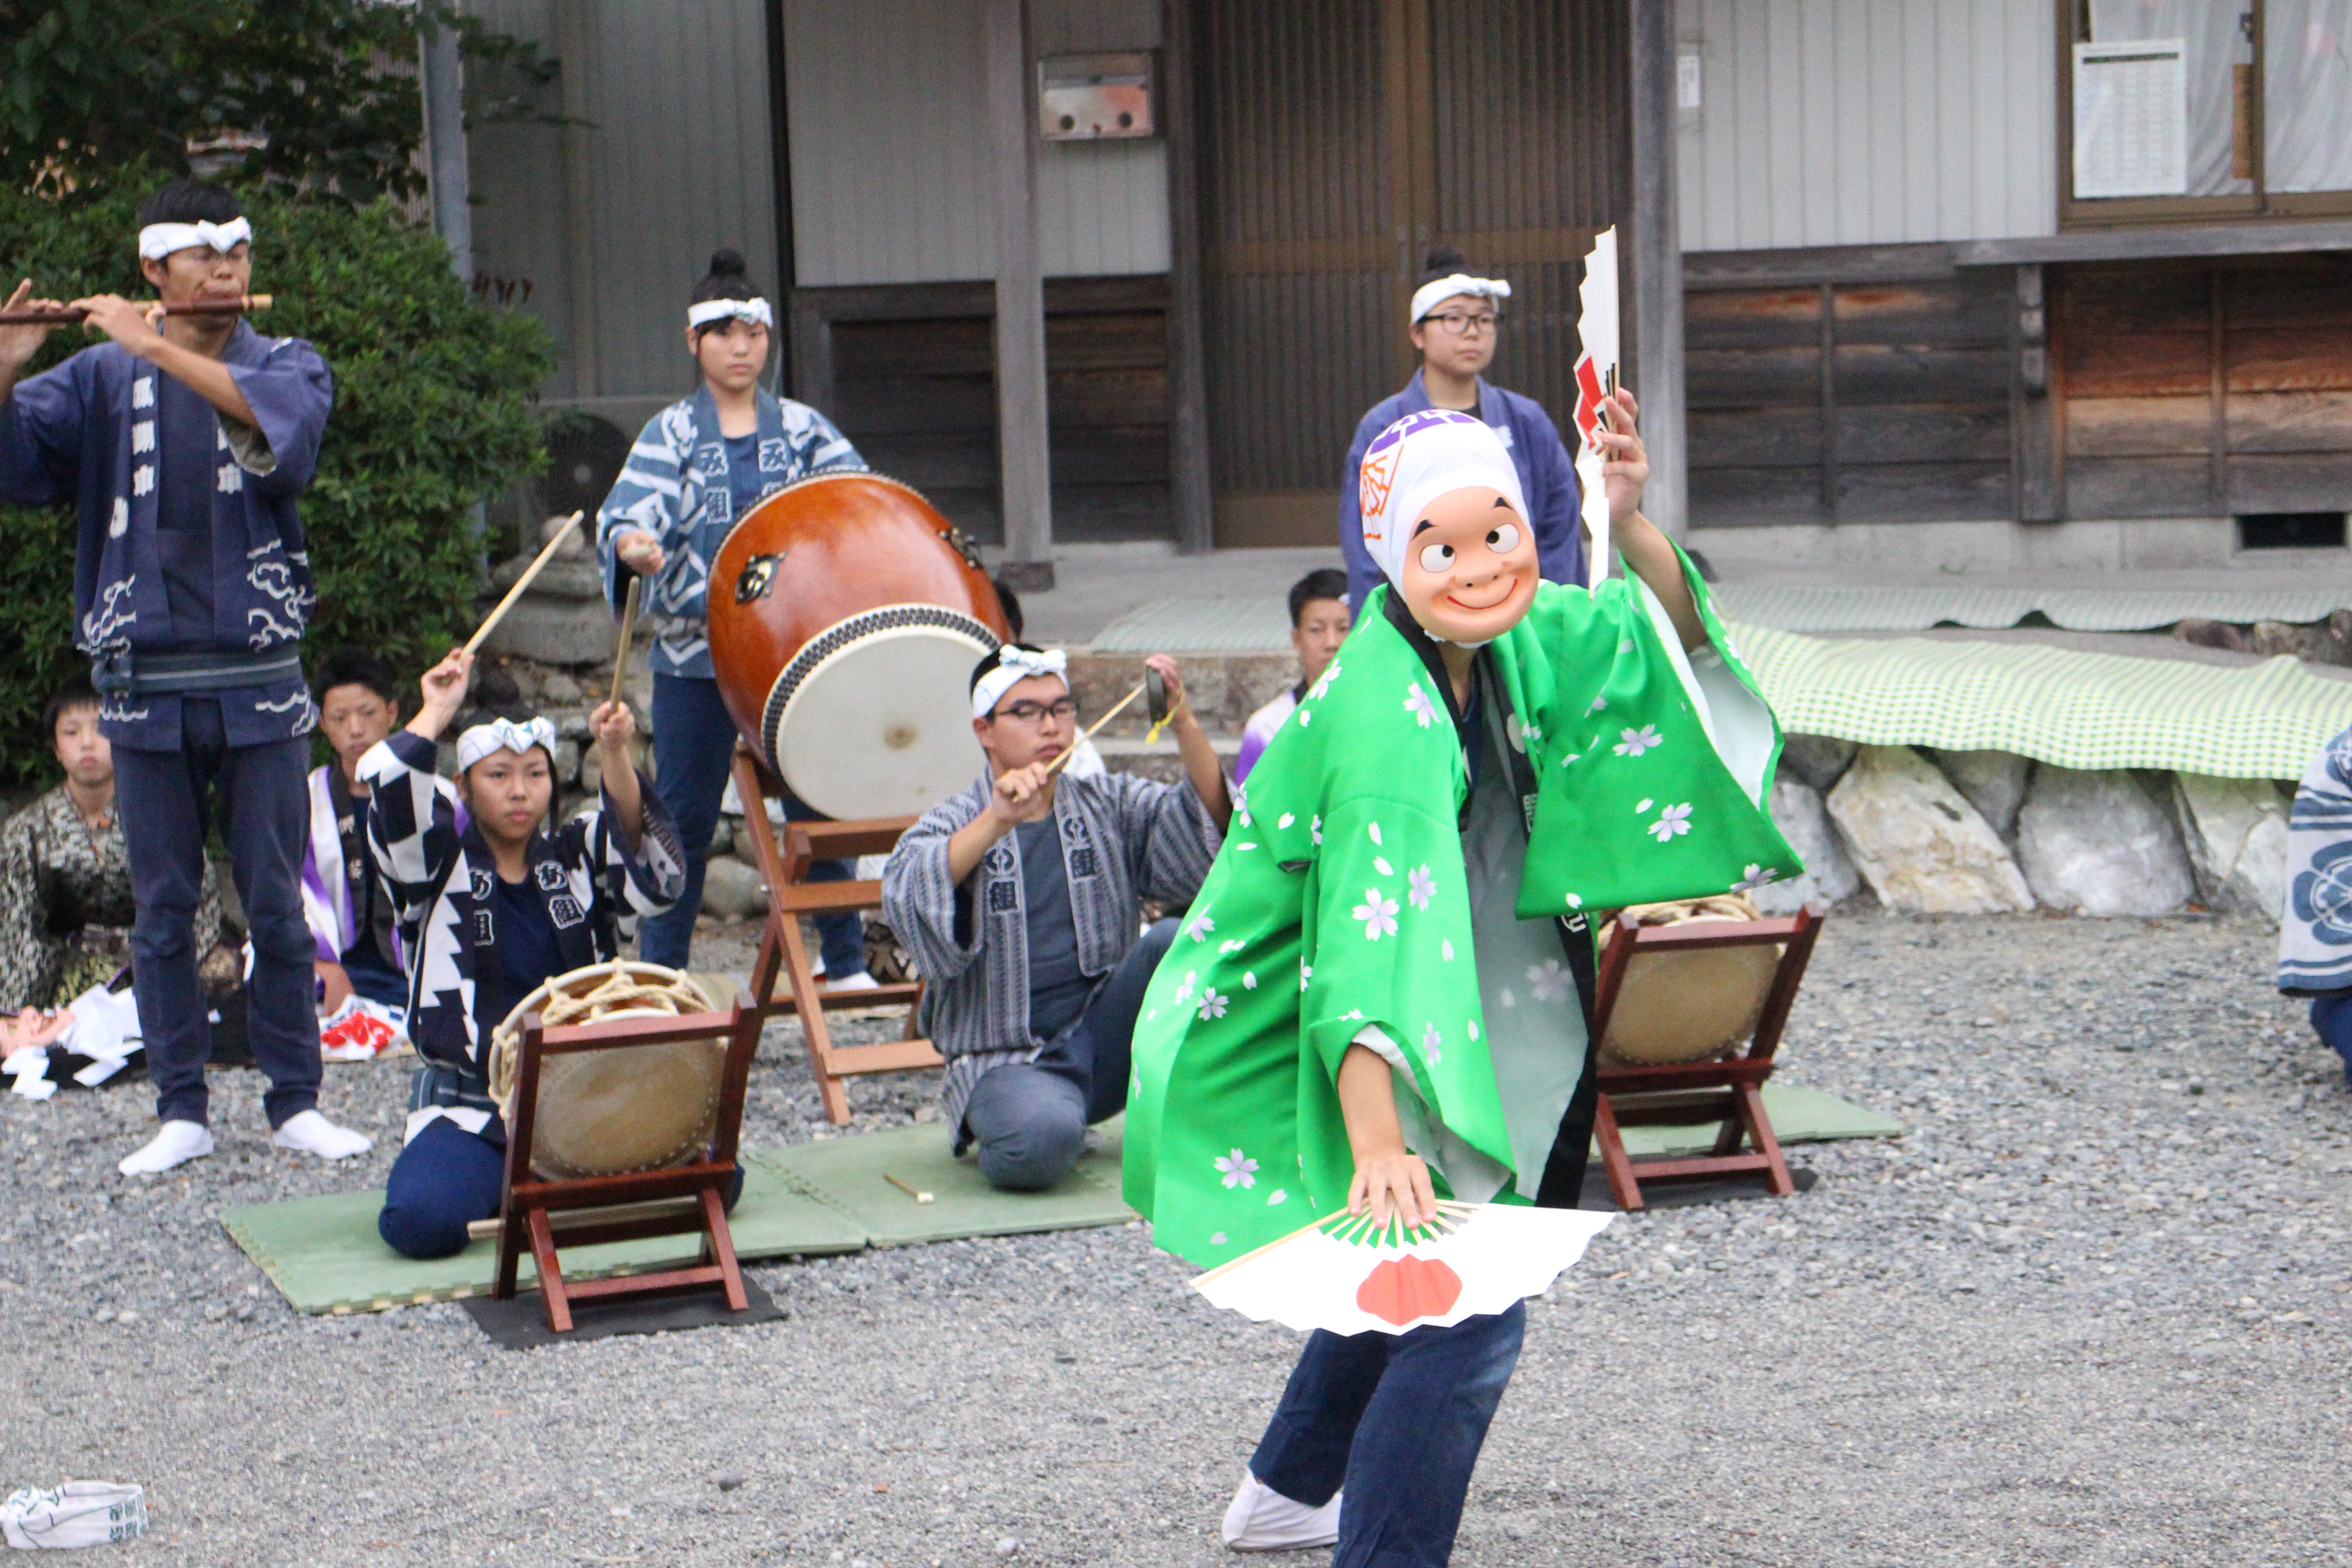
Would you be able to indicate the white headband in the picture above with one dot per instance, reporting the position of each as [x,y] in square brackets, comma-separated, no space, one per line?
[158,240]
[1427,298]
[503,735]
[719,309]
[1417,459]
[1014,666]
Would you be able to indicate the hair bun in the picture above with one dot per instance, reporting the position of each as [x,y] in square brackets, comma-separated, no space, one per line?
[729,263]
[1444,258]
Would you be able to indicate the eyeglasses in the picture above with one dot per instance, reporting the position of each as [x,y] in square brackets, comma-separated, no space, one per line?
[1036,712]
[1462,326]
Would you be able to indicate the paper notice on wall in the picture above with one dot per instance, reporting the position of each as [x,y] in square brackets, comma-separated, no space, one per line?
[2131,118]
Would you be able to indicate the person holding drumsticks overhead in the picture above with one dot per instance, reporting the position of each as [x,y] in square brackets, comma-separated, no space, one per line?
[185,441]
[697,468]
[494,902]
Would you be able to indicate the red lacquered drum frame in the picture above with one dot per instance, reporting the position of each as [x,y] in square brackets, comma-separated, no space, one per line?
[846,616]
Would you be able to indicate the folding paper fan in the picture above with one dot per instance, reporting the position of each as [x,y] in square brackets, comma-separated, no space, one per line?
[1345,1274]
[1596,377]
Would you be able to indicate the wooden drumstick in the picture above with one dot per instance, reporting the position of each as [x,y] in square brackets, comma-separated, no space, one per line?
[1055,765]
[628,628]
[523,582]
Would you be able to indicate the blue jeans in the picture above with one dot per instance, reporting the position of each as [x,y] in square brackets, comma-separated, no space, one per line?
[694,747]
[2331,1017]
[166,802]
[1030,1118]
[1398,1420]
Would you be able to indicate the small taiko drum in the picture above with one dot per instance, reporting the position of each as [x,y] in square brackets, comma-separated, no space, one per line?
[845,617]
[1691,1006]
[633,1108]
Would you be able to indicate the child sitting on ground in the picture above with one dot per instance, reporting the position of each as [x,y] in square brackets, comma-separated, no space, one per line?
[492,900]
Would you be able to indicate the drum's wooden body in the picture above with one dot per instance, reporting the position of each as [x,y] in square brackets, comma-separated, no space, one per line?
[844,621]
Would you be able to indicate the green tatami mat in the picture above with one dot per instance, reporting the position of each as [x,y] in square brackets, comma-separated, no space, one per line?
[849,1174]
[1798,1116]
[325,1255]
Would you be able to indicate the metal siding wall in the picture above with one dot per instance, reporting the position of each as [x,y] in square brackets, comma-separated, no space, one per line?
[890,152]
[1869,122]
[516,170]
[683,167]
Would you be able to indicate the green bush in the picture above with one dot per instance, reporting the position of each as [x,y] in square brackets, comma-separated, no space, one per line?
[433,393]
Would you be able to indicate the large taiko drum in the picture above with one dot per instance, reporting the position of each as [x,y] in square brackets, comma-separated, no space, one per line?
[1691,1006]
[845,617]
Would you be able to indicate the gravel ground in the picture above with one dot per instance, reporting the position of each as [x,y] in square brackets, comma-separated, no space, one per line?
[2092,1309]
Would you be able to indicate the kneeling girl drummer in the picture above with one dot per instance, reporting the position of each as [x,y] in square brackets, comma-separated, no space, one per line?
[698,467]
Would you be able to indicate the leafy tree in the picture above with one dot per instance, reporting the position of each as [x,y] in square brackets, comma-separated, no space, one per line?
[431,413]
[90,87]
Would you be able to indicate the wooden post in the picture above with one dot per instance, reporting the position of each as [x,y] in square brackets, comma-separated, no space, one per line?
[1024,471]
[1657,255]
[1188,375]
[573,51]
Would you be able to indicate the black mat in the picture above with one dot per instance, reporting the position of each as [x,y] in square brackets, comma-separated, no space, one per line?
[519,1322]
[1681,1195]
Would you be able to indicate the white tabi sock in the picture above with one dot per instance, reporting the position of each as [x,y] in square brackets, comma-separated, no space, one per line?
[313,1135]
[861,981]
[176,1144]
[1263,1520]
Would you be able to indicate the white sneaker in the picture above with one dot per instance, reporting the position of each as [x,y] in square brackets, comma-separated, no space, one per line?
[311,1133]
[861,981]
[176,1144]
[1263,1520]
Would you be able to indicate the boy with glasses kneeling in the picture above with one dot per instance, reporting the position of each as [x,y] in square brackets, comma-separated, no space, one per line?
[1021,900]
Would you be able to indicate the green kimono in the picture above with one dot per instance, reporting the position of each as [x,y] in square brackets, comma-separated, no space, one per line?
[1365,891]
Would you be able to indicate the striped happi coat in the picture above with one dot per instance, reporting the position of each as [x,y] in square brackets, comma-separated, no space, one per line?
[1124,839]
[444,889]
[675,486]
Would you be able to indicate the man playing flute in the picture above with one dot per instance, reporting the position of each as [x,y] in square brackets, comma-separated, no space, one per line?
[185,444]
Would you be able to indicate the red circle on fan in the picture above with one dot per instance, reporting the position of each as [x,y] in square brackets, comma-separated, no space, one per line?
[1402,1289]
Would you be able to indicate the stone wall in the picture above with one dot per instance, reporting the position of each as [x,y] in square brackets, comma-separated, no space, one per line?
[1989,832]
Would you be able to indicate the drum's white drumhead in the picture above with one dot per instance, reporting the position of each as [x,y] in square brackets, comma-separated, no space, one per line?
[881,725]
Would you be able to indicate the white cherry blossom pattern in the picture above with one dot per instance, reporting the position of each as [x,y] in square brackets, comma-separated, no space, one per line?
[1473,1031]
[1417,703]
[1754,878]
[1431,1043]
[1576,900]
[1643,805]
[1183,997]
[1446,949]
[1213,1003]
[1305,717]
[1380,864]
[1285,820]
[1201,927]
[1420,887]
[1238,1169]
[1241,846]
[1231,944]
[1674,821]
[1374,829]
[1306,973]
[1549,980]
[1249,979]
[1637,742]
[1598,704]
[1315,831]
[1276,1197]
[1217,1238]
[1353,1015]
[1378,911]
[1331,674]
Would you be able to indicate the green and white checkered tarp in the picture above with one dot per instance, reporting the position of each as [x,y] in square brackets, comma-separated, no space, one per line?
[1814,608]
[2057,705]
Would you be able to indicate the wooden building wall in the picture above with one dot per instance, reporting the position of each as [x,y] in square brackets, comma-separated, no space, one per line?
[1868,121]
[2205,388]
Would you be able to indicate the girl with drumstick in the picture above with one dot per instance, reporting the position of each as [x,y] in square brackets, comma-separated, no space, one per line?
[697,468]
[494,902]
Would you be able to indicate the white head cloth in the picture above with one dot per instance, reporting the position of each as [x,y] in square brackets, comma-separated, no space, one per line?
[711,311]
[503,735]
[1016,665]
[158,240]
[1429,295]
[1418,458]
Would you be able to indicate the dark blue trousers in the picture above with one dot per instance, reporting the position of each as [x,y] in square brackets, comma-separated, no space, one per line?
[374,979]
[167,802]
[1398,1419]
[694,747]
[446,1179]
[1030,1118]
[2331,1017]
